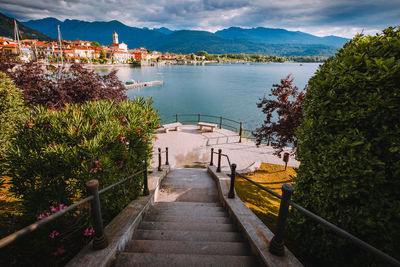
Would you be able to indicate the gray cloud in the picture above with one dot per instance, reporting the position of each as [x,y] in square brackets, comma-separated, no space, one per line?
[321,17]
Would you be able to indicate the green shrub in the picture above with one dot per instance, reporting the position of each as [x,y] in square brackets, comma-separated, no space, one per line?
[56,152]
[11,111]
[349,148]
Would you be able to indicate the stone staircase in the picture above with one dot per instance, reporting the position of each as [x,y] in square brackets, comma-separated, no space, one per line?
[187,227]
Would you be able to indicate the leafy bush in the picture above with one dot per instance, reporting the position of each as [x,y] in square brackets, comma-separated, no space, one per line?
[349,148]
[43,86]
[56,152]
[11,111]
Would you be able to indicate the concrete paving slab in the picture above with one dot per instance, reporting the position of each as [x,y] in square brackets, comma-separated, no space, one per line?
[190,148]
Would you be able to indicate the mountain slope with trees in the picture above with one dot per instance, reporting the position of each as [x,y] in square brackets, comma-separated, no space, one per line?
[7,29]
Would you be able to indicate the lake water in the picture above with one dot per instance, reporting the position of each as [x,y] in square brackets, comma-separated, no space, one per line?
[228,90]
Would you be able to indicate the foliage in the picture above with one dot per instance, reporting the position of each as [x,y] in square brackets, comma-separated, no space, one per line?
[11,111]
[287,106]
[349,150]
[43,86]
[96,44]
[56,152]
[201,53]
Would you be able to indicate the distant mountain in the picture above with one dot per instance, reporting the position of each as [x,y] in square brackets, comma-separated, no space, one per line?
[163,30]
[96,31]
[233,40]
[280,36]
[7,30]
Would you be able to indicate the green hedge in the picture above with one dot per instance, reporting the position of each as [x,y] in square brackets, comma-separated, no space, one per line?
[56,152]
[349,148]
[12,110]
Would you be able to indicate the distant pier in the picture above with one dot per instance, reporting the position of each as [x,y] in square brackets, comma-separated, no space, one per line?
[142,84]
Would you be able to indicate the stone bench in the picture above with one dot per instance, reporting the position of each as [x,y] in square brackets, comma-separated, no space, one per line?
[212,126]
[169,126]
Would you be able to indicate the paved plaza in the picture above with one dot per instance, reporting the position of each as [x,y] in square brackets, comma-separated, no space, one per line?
[190,148]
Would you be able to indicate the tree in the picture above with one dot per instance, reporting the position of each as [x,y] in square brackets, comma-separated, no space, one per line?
[43,86]
[96,44]
[281,132]
[201,53]
[349,148]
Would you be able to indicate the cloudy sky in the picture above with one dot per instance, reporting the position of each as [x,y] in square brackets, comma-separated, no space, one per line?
[320,17]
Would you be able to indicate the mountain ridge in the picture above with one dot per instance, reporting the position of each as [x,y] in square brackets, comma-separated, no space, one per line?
[190,41]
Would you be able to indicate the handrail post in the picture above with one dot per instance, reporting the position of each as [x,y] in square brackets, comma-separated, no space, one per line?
[277,244]
[233,174]
[166,156]
[220,122]
[176,117]
[240,132]
[212,157]
[219,160]
[100,240]
[145,180]
[198,117]
[159,160]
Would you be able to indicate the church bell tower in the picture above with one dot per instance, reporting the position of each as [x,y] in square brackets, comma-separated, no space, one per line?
[115,38]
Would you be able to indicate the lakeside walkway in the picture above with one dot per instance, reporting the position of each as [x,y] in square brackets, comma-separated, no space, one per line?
[191,148]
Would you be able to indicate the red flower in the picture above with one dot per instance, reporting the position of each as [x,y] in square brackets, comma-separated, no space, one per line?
[122,138]
[30,125]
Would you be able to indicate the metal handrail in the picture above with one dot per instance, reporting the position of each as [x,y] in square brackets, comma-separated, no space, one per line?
[355,240]
[30,228]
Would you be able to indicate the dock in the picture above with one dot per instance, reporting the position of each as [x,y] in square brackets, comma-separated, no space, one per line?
[142,84]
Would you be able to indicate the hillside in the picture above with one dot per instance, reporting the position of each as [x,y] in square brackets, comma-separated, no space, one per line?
[233,40]
[7,30]
[280,36]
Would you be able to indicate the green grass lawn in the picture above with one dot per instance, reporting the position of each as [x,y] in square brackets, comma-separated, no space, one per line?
[263,204]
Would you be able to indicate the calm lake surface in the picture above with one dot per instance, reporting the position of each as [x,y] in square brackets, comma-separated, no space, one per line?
[228,90]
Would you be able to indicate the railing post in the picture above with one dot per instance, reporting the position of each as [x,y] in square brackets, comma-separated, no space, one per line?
[159,160]
[166,156]
[220,122]
[232,189]
[198,117]
[212,157]
[277,244]
[176,117]
[219,160]
[240,132]
[100,240]
[145,180]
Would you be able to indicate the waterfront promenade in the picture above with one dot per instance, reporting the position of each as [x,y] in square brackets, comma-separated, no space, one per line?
[190,148]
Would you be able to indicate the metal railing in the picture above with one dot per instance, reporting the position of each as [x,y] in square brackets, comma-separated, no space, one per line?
[277,243]
[100,240]
[219,120]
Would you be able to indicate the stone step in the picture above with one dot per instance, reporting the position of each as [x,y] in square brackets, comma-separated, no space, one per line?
[188,247]
[189,204]
[188,209]
[183,260]
[209,212]
[187,226]
[187,219]
[187,236]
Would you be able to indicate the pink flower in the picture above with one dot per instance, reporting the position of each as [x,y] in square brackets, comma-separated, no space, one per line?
[144,140]
[91,170]
[41,216]
[59,251]
[62,206]
[100,169]
[97,162]
[53,209]
[123,119]
[30,125]
[88,232]
[158,125]
[54,234]
[47,214]
[121,138]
